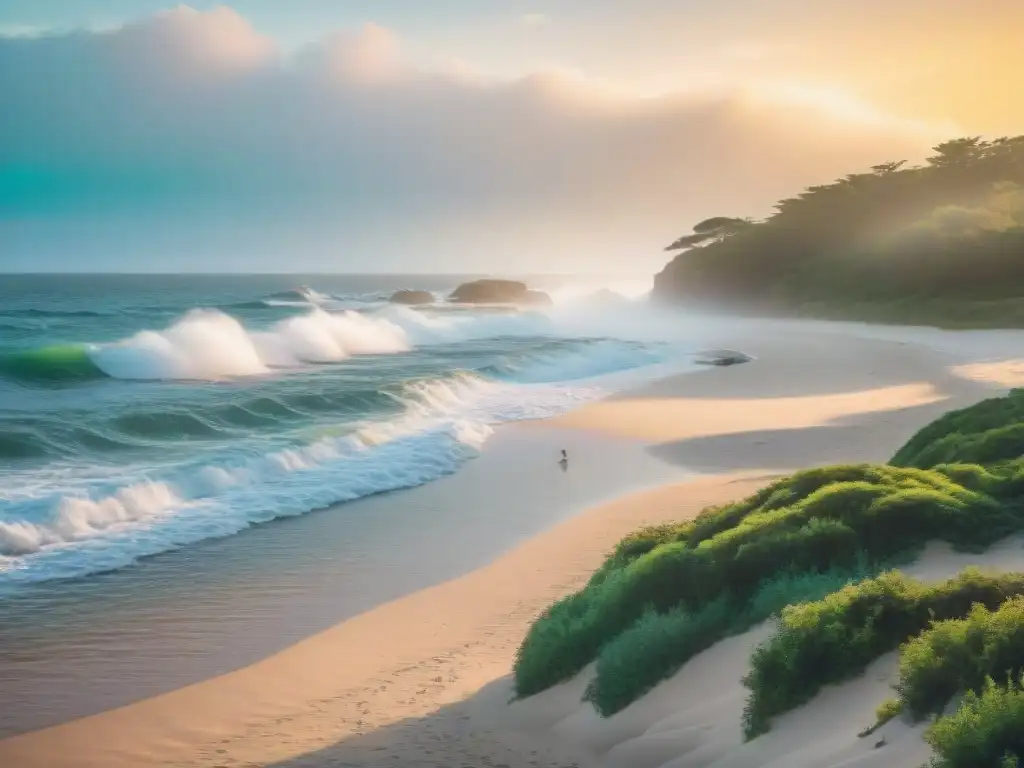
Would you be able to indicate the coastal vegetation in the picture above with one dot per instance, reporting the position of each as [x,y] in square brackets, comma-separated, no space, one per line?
[834,639]
[814,552]
[990,432]
[959,655]
[987,729]
[938,242]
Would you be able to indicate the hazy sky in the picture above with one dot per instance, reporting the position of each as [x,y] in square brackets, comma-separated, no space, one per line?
[461,135]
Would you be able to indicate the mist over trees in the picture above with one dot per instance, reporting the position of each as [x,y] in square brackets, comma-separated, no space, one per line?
[952,229]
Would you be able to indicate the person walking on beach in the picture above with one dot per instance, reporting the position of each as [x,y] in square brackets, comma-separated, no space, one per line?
[564,461]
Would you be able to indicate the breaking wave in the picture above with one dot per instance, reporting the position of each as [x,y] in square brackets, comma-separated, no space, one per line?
[208,344]
[218,422]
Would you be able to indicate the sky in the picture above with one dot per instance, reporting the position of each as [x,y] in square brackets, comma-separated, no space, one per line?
[460,135]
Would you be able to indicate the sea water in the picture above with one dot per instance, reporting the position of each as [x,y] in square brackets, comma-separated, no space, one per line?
[143,416]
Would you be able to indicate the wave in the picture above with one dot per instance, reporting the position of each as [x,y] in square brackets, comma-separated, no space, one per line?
[146,427]
[451,327]
[254,304]
[285,404]
[23,444]
[50,440]
[264,424]
[208,344]
[565,364]
[35,312]
[303,294]
[69,533]
[54,363]
[423,429]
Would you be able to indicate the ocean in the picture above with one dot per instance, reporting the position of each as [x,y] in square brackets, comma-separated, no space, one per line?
[140,414]
[153,427]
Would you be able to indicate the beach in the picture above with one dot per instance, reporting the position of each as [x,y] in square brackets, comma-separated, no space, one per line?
[425,679]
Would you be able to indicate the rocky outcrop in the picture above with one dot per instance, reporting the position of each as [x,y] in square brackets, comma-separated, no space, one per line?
[412,298]
[497,292]
[537,298]
[722,357]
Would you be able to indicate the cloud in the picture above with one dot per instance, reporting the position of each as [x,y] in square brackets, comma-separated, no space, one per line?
[191,123]
[21,30]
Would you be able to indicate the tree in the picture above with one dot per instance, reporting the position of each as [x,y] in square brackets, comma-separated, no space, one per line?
[958,152]
[689,241]
[711,230]
[950,229]
[884,169]
[721,225]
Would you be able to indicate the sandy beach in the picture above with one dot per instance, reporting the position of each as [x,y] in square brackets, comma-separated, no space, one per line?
[424,680]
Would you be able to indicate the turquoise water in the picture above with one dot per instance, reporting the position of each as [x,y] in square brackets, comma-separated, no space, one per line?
[140,415]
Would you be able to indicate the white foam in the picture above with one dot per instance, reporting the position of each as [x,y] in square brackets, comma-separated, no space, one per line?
[62,523]
[320,337]
[451,327]
[77,518]
[54,532]
[203,344]
[208,344]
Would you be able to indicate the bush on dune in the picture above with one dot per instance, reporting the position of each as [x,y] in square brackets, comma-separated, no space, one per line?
[637,660]
[988,432]
[835,638]
[816,521]
[958,655]
[659,643]
[794,549]
[987,729]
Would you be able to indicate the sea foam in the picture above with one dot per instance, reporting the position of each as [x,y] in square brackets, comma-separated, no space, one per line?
[81,519]
[209,344]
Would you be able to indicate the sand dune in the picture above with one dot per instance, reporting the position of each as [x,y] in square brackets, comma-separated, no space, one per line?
[692,720]
[424,681]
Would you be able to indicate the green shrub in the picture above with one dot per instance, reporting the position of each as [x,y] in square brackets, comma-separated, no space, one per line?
[659,643]
[888,710]
[666,592]
[959,654]
[812,522]
[636,544]
[835,638]
[568,635]
[986,730]
[988,432]
[653,648]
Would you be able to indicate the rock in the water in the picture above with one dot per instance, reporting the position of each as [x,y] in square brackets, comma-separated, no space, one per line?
[412,298]
[538,298]
[497,292]
[722,357]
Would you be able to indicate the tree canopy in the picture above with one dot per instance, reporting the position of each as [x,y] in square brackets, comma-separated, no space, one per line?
[952,228]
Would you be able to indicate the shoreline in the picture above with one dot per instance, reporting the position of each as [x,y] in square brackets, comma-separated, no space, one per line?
[484,610]
[74,649]
[742,425]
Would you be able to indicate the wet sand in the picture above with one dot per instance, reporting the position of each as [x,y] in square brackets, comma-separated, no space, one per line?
[73,649]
